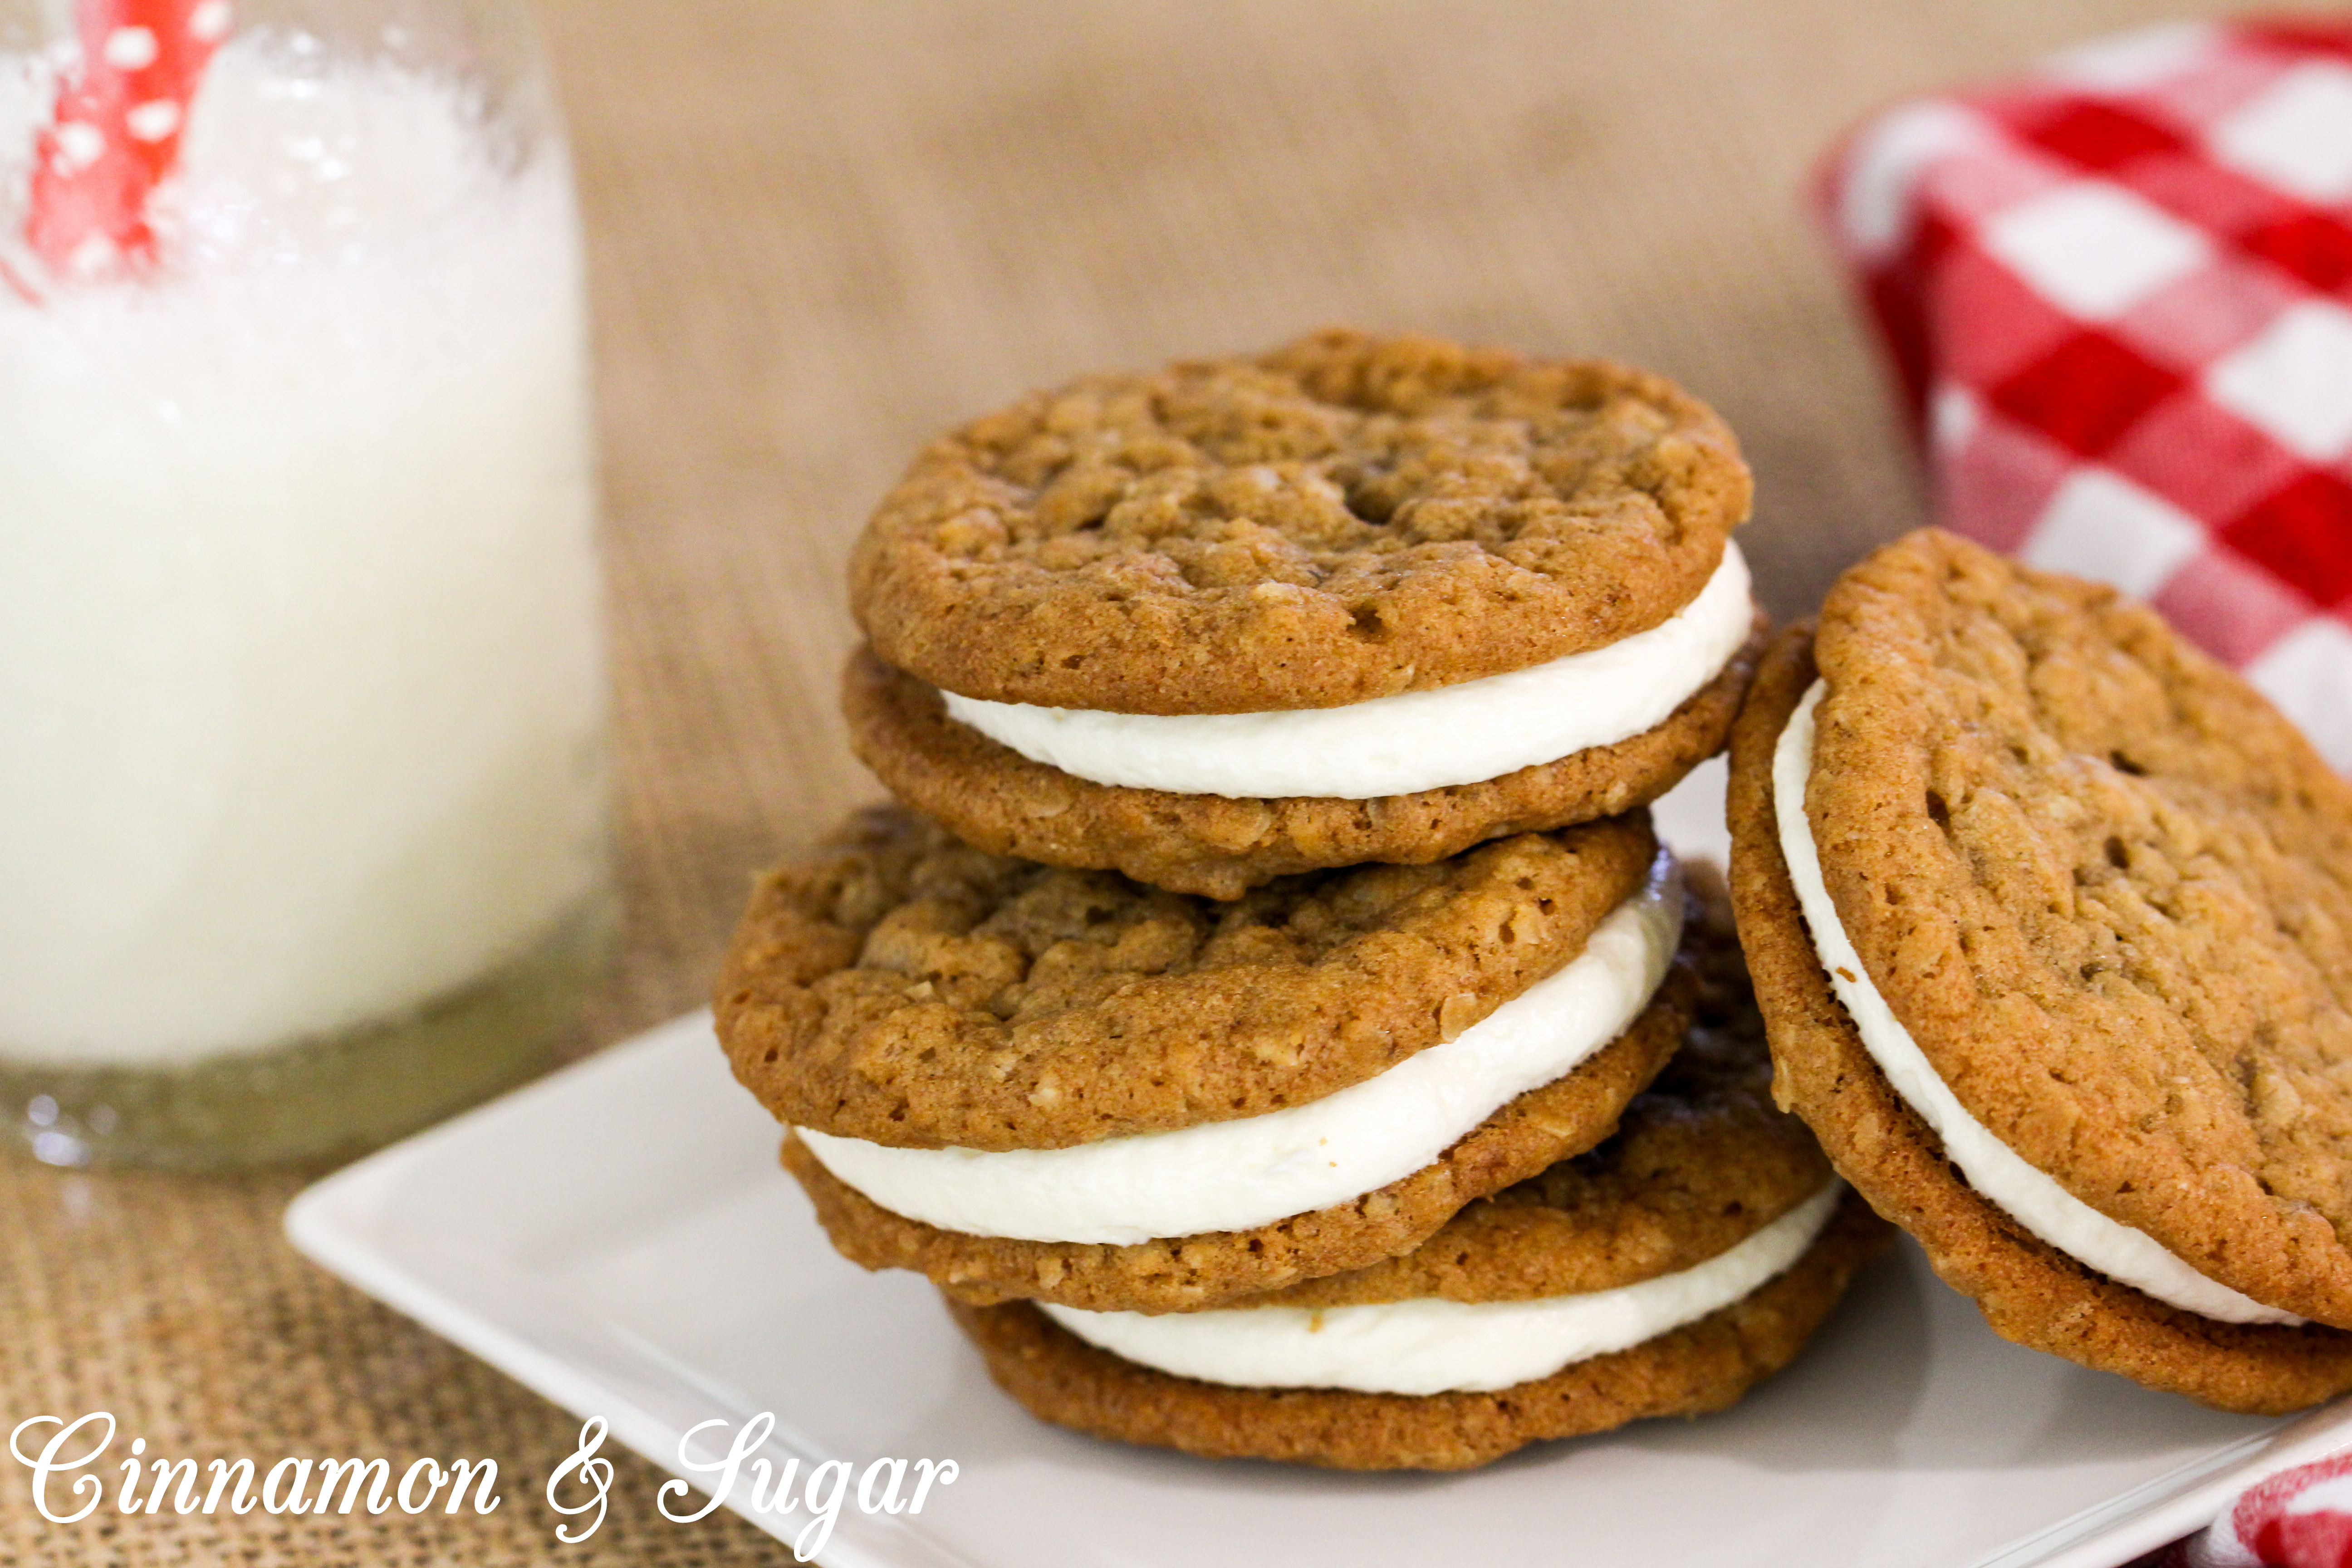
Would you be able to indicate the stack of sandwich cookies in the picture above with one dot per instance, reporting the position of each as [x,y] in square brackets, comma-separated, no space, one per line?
[2051,918]
[1276,892]
[1664,1273]
[1352,600]
[1035,1082]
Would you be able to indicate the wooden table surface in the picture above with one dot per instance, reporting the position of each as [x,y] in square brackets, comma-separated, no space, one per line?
[822,230]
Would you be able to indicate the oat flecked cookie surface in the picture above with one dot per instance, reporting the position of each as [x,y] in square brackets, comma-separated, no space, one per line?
[2027,1290]
[1341,519]
[1701,1161]
[2109,888]
[912,991]
[1221,847]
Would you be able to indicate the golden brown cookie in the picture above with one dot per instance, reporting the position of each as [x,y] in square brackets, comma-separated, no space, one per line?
[910,991]
[2030,690]
[1703,1366]
[1220,846]
[1342,519]
[1188,1272]
[2108,887]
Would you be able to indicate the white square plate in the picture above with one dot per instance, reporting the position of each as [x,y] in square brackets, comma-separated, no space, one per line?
[620,1238]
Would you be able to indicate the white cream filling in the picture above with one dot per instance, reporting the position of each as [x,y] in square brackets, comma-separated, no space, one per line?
[1414,741]
[2003,1178]
[1239,1174]
[1432,1346]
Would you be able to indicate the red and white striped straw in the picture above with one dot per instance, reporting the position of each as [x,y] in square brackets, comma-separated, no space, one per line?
[115,132]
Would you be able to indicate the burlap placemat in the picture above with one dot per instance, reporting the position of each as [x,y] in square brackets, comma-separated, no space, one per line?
[820,232]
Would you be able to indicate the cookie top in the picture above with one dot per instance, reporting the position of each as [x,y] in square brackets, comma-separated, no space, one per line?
[2029,1291]
[2108,890]
[1341,519]
[909,990]
[1701,1161]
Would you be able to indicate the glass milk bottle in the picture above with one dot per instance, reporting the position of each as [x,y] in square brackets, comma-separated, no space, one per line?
[302,799]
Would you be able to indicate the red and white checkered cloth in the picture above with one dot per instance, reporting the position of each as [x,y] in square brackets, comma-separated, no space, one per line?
[2298,1519]
[2119,294]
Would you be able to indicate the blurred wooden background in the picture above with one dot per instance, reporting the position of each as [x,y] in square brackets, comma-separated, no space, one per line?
[820,231]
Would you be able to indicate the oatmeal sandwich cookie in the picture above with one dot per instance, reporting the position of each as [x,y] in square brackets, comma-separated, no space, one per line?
[2051,919]
[1353,600]
[1664,1273]
[1031,1082]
